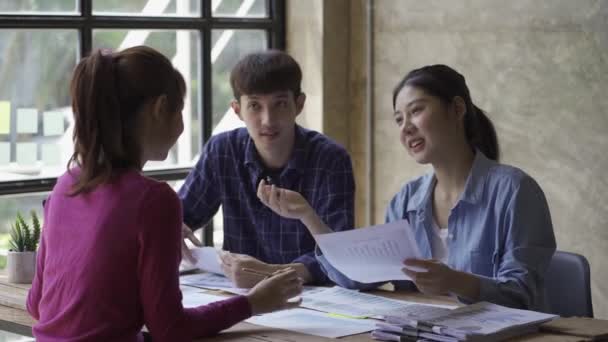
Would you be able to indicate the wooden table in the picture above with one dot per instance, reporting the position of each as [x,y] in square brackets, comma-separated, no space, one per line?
[15,318]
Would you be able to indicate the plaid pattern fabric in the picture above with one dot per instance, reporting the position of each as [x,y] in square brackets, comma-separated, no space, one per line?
[228,173]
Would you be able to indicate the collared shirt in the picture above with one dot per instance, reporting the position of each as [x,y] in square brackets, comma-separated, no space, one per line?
[500,230]
[228,174]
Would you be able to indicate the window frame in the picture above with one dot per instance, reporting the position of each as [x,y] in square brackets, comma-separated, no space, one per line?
[205,23]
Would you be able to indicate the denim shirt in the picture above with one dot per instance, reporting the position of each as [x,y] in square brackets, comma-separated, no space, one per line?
[500,230]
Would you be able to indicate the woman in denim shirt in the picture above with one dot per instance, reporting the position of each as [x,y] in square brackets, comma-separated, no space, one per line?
[484,228]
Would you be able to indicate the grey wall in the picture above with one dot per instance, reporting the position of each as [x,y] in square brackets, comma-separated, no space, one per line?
[540,70]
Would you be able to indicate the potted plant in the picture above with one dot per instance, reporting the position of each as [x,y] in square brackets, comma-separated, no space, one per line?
[21,260]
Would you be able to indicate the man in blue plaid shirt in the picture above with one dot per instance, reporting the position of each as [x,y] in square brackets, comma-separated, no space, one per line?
[266,87]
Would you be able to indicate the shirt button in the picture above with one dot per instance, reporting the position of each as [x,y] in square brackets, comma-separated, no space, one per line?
[450,236]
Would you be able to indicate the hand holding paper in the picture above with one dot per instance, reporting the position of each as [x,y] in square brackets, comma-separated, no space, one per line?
[371,254]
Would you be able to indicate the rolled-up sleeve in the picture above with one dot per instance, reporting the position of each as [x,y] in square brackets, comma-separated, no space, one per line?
[199,194]
[529,244]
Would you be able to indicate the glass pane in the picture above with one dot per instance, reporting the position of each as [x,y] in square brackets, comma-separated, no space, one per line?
[39,6]
[148,8]
[228,47]
[239,8]
[9,207]
[182,48]
[35,113]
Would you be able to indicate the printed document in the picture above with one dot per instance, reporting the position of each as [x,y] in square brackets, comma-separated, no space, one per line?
[371,254]
[352,303]
[313,323]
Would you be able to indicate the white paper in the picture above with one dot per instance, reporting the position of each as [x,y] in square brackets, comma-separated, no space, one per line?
[26,153]
[211,281]
[51,154]
[52,123]
[313,323]
[193,297]
[5,153]
[27,120]
[371,254]
[207,259]
[353,303]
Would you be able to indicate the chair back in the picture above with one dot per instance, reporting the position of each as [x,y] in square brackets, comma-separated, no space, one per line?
[568,285]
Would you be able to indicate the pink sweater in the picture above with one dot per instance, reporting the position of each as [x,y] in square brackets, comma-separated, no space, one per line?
[108,264]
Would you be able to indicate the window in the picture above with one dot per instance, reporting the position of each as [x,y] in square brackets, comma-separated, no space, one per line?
[42,40]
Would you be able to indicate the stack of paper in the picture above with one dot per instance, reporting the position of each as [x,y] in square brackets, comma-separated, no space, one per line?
[477,322]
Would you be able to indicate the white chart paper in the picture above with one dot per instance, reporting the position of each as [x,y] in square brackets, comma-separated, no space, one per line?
[371,254]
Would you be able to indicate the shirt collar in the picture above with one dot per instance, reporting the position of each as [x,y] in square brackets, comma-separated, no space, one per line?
[473,189]
[297,160]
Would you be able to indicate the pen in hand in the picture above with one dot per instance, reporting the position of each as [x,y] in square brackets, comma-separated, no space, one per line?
[256,272]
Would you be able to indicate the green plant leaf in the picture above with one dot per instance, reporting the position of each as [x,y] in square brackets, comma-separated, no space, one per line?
[14,241]
[27,234]
[36,235]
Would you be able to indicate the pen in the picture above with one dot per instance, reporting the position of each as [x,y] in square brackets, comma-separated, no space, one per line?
[256,272]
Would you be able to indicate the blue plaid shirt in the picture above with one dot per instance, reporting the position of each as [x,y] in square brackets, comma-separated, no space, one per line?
[227,174]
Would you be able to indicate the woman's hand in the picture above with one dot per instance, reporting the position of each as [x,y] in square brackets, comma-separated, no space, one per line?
[284,202]
[273,293]
[233,264]
[187,233]
[435,278]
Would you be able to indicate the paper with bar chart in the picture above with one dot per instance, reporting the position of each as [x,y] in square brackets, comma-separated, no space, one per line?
[371,254]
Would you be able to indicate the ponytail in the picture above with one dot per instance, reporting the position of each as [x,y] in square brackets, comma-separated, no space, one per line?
[481,134]
[108,90]
[446,83]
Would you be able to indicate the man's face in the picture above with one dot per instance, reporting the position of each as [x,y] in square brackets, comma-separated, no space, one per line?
[270,118]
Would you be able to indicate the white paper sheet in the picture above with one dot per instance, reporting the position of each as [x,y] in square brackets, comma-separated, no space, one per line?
[371,254]
[206,281]
[313,323]
[26,153]
[52,123]
[27,120]
[193,297]
[5,117]
[51,154]
[207,259]
[353,303]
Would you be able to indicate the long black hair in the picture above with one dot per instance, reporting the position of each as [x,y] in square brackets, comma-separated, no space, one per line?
[446,83]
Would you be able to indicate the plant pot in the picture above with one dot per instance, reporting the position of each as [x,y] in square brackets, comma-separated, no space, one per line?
[21,267]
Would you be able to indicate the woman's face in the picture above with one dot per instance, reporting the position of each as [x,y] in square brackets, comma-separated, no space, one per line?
[424,123]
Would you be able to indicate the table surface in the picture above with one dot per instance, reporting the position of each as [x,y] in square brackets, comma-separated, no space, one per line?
[15,318]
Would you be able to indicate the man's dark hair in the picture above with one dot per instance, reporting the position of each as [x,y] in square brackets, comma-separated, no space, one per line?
[265,72]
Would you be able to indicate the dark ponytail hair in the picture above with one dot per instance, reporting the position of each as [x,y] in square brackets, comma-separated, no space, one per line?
[108,89]
[446,83]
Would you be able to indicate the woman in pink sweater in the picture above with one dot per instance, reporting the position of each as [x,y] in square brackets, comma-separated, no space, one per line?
[110,250]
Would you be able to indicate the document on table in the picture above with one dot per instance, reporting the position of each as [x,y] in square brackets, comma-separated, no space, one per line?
[313,323]
[207,259]
[193,297]
[207,281]
[371,254]
[352,303]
